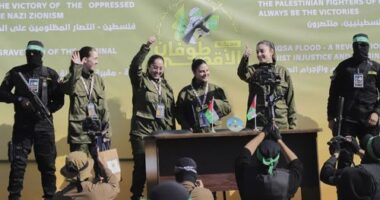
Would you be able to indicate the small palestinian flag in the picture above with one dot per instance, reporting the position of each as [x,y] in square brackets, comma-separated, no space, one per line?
[211,115]
[252,109]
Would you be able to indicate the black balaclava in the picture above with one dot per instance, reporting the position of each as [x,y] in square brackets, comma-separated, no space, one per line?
[185,169]
[34,52]
[360,46]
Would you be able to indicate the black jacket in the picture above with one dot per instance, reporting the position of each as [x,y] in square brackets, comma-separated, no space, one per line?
[250,179]
[27,120]
[359,103]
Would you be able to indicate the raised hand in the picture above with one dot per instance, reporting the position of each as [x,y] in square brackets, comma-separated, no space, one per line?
[152,39]
[247,51]
[75,57]
[373,119]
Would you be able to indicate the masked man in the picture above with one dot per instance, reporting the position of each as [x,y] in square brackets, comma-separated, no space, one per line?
[31,127]
[357,80]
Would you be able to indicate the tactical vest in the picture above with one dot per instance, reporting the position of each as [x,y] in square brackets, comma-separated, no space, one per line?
[276,186]
[374,170]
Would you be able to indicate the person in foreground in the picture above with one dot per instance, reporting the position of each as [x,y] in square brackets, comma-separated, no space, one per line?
[256,172]
[169,191]
[361,182]
[185,171]
[82,185]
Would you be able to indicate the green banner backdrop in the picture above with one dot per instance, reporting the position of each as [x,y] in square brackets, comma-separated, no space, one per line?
[311,37]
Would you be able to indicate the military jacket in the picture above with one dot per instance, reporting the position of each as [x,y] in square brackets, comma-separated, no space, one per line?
[74,84]
[285,109]
[188,107]
[146,99]
[360,101]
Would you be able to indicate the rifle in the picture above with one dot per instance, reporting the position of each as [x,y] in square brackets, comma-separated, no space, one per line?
[337,137]
[339,119]
[36,102]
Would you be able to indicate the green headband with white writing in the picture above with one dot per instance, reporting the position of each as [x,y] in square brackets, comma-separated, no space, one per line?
[36,48]
[360,39]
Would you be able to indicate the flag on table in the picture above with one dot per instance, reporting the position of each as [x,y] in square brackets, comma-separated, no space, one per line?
[252,109]
[210,113]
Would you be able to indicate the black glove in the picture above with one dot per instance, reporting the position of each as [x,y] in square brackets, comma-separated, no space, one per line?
[334,146]
[352,144]
[25,103]
[272,132]
[267,130]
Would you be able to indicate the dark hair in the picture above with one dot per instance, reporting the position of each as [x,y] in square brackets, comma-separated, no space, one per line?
[196,63]
[152,59]
[84,52]
[271,46]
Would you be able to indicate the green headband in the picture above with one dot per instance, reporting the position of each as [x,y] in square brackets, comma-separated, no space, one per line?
[271,162]
[36,48]
[360,39]
[370,149]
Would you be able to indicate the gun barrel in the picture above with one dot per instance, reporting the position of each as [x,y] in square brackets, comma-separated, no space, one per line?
[340,115]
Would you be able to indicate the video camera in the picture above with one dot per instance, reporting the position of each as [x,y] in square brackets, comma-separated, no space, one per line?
[345,142]
[337,139]
[266,75]
[92,125]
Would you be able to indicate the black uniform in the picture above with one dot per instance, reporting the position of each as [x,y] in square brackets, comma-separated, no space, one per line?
[360,182]
[329,174]
[31,129]
[359,102]
[254,184]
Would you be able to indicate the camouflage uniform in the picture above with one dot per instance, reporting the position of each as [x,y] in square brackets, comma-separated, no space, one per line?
[285,112]
[73,86]
[144,121]
[188,107]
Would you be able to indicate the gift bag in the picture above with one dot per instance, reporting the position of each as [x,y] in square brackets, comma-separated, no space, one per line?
[111,159]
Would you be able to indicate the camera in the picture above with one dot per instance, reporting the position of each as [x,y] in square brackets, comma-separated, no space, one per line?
[265,75]
[92,125]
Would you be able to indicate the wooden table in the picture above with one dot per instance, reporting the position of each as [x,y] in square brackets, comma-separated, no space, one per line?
[215,154]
